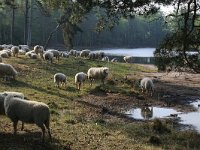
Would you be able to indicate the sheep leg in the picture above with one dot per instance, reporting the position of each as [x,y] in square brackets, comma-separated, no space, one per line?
[15,127]
[79,86]
[47,126]
[22,126]
[43,131]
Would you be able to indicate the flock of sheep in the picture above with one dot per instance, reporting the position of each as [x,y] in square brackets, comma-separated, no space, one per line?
[17,108]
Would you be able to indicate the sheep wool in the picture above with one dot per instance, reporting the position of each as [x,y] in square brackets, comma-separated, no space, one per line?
[15,51]
[27,111]
[60,79]
[79,79]
[7,70]
[147,85]
[98,73]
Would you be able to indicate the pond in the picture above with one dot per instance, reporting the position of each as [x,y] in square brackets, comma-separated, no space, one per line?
[148,113]
[137,52]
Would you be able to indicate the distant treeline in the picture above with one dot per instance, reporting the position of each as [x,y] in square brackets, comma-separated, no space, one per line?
[137,32]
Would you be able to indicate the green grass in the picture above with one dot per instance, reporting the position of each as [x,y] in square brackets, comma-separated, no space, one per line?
[75,125]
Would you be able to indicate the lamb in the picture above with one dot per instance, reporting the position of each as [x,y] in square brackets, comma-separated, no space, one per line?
[48,56]
[15,51]
[79,79]
[85,53]
[128,59]
[147,85]
[7,70]
[97,73]
[27,111]
[60,78]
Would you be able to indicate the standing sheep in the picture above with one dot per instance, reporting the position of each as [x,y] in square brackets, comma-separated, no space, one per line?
[128,59]
[7,70]
[15,51]
[114,60]
[85,53]
[48,56]
[27,111]
[79,79]
[39,50]
[98,73]
[106,58]
[147,85]
[56,53]
[2,99]
[60,79]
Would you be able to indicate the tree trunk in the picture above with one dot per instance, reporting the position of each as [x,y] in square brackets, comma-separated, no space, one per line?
[26,22]
[68,34]
[30,24]
[12,25]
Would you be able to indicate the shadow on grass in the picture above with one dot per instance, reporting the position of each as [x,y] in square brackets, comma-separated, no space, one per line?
[30,140]
[17,83]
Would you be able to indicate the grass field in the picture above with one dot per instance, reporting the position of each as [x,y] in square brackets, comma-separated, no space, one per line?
[77,125]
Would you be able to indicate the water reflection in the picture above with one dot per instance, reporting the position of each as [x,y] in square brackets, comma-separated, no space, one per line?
[147,113]
[151,112]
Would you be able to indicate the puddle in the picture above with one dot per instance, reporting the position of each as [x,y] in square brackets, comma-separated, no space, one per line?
[148,113]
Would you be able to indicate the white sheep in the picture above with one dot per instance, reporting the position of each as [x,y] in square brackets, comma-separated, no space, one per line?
[73,52]
[106,58]
[60,79]
[31,54]
[2,98]
[100,55]
[48,56]
[92,56]
[15,51]
[80,79]
[7,70]
[4,54]
[8,51]
[28,112]
[24,48]
[85,53]
[147,85]
[97,73]
[65,54]
[114,60]
[128,59]
[56,53]
[39,50]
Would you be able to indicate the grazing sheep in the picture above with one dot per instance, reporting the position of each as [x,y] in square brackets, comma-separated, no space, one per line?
[128,59]
[65,54]
[56,53]
[8,51]
[31,54]
[22,52]
[85,53]
[24,48]
[60,78]
[114,60]
[15,51]
[28,112]
[106,58]
[73,52]
[7,70]
[48,56]
[92,56]
[97,73]
[100,55]
[2,98]
[147,85]
[4,54]
[79,79]
[39,50]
